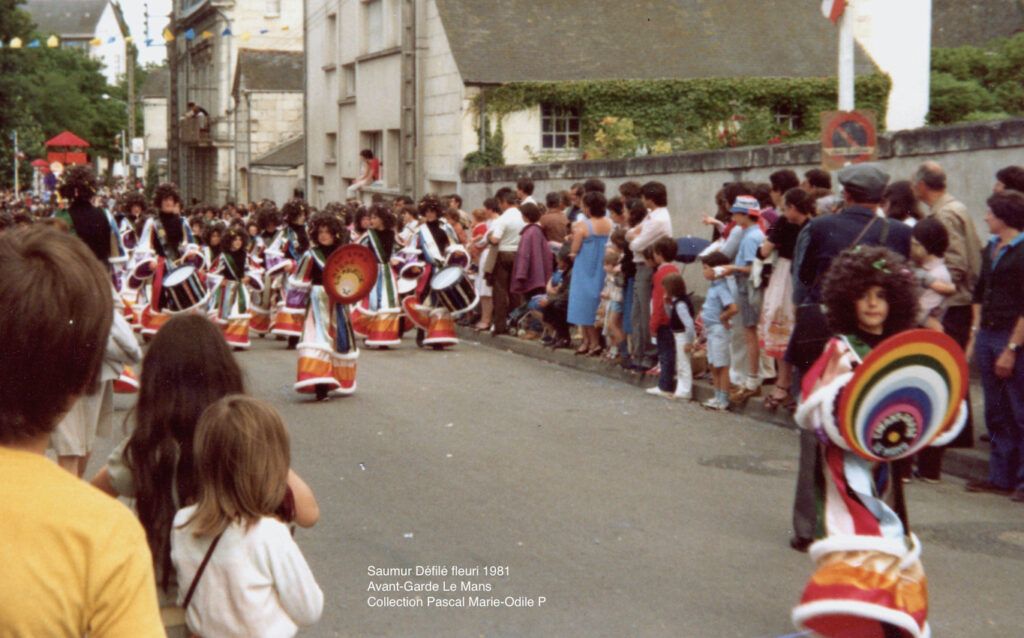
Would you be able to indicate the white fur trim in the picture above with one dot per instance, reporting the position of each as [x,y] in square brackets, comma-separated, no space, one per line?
[817,409]
[343,391]
[393,342]
[317,381]
[860,543]
[807,611]
[306,345]
[954,430]
[441,341]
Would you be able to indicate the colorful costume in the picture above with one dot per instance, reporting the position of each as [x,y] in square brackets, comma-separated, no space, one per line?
[870,406]
[433,240]
[328,350]
[166,242]
[381,307]
[275,265]
[288,317]
[229,302]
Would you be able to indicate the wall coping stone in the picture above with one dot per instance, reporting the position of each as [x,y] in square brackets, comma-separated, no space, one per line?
[933,140]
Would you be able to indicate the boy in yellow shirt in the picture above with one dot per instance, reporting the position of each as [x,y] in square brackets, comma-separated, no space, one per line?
[73,561]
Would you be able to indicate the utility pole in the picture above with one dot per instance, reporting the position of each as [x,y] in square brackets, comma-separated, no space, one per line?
[846,62]
[16,182]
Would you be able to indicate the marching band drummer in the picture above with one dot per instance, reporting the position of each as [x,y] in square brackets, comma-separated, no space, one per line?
[433,239]
[382,326]
[235,273]
[288,320]
[270,247]
[328,350]
[166,242]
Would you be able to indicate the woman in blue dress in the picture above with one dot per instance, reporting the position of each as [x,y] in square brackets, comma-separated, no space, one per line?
[589,238]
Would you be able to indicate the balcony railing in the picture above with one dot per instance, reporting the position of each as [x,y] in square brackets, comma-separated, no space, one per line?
[195,130]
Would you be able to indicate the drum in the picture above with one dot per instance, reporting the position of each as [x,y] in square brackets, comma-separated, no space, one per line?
[276,262]
[454,291]
[457,256]
[129,239]
[296,297]
[406,286]
[183,290]
[142,273]
[417,314]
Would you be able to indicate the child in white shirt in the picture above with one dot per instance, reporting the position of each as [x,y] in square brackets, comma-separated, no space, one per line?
[679,309]
[256,581]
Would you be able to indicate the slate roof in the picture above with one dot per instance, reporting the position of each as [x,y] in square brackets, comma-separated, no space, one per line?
[268,70]
[290,154]
[496,42]
[157,84]
[975,22]
[66,18]
[557,40]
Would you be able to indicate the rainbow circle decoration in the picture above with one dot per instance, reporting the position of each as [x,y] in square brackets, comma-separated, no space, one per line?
[350,273]
[905,394]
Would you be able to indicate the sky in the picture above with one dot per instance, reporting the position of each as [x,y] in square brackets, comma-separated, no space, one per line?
[134,13]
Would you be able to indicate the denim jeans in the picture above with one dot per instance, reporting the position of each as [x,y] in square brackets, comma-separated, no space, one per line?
[666,359]
[1004,410]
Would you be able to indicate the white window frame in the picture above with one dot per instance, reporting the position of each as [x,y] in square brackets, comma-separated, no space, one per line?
[560,123]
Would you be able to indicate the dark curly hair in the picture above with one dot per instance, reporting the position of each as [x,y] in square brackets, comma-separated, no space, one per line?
[331,223]
[167,190]
[384,214]
[267,214]
[230,235]
[855,271]
[211,228]
[79,183]
[295,208]
[133,199]
[431,203]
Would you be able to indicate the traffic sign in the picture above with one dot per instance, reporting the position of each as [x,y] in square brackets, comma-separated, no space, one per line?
[138,145]
[137,160]
[848,137]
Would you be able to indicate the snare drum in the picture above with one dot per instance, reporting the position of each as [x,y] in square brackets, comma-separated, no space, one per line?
[129,239]
[275,263]
[457,256]
[183,290]
[142,273]
[454,291]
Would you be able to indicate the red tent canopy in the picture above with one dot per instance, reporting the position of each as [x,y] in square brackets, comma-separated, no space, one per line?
[40,163]
[68,139]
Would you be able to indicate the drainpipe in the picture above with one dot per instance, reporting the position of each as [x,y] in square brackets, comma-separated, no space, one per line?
[248,146]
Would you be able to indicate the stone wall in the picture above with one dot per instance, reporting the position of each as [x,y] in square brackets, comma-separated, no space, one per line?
[444,107]
[970,153]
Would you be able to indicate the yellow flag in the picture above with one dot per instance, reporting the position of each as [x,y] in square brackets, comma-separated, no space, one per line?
[96,42]
[168,36]
[128,39]
[53,42]
[15,43]
[285,28]
[245,36]
[207,35]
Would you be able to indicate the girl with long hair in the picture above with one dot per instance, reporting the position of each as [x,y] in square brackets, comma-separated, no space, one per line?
[381,305]
[188,367]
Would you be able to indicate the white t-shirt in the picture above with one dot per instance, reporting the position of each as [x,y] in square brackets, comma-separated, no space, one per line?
[257,582]
[656,225]
[507,227]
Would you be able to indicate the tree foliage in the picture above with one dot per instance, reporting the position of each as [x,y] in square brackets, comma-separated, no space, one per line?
[976,83]
[45,91]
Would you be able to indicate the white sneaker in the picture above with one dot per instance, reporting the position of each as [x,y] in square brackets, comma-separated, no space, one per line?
[657,392]
[714,404]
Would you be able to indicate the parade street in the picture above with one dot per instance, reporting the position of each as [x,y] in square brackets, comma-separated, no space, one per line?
[611,512]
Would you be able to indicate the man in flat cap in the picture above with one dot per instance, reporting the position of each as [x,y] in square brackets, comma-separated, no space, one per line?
[820,241]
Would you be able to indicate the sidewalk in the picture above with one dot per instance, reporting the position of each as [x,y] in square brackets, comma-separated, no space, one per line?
[966,464]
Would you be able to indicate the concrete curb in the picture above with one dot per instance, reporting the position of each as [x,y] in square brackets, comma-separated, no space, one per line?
[967,464]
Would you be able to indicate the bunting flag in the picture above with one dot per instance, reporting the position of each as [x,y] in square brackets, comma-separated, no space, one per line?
[111,39]
[15,43]
[245,36]
[129,39]
[95,42]
[207,35]
[34,44]
[168,36]
[190,35]
[833,9]
[53,42]
[226,32]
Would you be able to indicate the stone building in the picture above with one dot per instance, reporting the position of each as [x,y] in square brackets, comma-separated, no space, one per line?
[203,59]
[400,76]
[268,109]
[153,96]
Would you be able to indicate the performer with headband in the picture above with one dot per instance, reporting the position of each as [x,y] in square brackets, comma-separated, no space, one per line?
[165,244]
[328,350]
[879,393]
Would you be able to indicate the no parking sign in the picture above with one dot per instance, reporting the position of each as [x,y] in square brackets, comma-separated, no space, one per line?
[848,137]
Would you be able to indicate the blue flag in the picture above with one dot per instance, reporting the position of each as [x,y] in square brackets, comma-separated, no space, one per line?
[190,34]
[34,44]
[226,31]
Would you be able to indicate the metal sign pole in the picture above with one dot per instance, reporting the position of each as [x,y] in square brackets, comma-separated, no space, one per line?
[846,61]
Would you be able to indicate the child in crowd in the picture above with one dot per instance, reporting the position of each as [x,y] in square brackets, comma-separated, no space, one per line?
[680,310]
[612,296]
[929,242]
[719,307]
[659,257]
[746,215]
[240,570]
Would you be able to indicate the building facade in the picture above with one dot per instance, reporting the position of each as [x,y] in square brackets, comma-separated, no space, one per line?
[77,23]
[401,77]
[153,96]
[203,59]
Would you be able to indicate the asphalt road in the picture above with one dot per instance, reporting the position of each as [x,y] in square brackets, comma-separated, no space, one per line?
[629,515]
